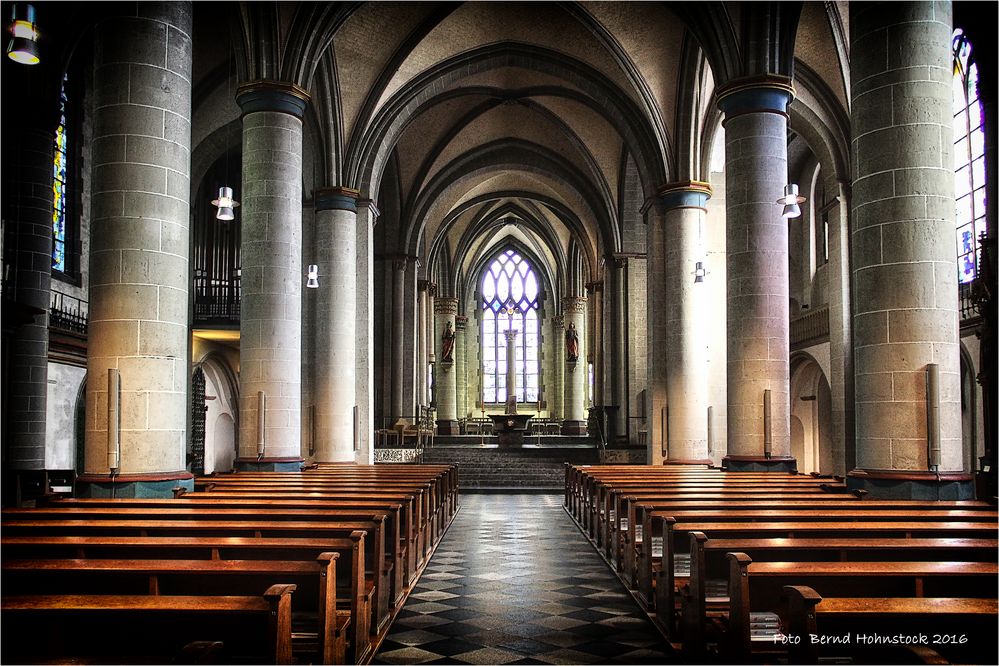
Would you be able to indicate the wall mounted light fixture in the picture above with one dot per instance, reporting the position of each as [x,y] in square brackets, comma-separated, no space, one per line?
[790,200]
[699,272]
[313,281]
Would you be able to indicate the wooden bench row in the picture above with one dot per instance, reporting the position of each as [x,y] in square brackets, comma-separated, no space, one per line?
[349,561]
[674,533]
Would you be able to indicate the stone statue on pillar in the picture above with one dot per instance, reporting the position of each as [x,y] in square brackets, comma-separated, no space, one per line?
[571,344]
[447,344]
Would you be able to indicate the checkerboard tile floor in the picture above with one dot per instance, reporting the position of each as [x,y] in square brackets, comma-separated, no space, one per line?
[514,582]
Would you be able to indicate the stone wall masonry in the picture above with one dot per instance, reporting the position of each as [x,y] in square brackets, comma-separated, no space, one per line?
[139,237]
[272,279]
[336,333]
[757,293]
[364,364]
[655,396]
[637,348]
[903,234]
[29,242]
[686,342]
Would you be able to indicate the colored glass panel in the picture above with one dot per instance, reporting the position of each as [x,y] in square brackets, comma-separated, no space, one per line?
[510,276]
[969,158]
[59,187]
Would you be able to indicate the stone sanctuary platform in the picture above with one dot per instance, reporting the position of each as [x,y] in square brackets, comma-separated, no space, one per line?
[484,466]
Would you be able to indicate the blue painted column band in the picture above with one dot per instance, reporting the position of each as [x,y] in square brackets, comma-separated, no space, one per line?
[272,96]
[337,198]
[686,194]
[768,94]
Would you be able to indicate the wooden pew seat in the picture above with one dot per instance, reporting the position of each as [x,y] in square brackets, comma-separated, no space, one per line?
[960,629]
[117,628]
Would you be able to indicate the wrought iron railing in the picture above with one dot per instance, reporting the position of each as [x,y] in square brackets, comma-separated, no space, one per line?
[68,313]
[966,301]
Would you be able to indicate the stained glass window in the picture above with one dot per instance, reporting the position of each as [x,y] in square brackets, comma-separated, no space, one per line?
[59,188]
[510,284]
[969,158]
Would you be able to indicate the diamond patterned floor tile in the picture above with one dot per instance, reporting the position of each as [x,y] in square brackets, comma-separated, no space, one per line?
[514,582]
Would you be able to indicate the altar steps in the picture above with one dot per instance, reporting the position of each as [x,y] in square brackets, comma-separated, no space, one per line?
[516,469]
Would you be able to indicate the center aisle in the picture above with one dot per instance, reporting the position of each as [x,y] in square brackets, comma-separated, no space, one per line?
[514,582]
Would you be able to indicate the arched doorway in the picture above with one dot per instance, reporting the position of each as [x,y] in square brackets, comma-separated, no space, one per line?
[221,415]
[811,416]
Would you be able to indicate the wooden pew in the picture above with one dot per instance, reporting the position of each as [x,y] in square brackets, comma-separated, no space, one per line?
[315,581]
[389,568]
[381,612]
[429,516]
[757,586]
[413,524]
[442,481]
[642,559]
[961,629]
[399,526]
[709,565]
[282,558]
[665,587]
[121,627]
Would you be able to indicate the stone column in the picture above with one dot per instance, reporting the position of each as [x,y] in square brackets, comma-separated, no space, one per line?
[424,340]
[574,422]
[139,252]
[410,341]
[445,370]
[686,340]
[270,395]
[618,425]
[557,393]
[364,378]
[398,336]
[336,323]
[594,292]
[28,211]
[904,265]
[511,370]
[841,385]
[461,365]
[656,330]
[757,295]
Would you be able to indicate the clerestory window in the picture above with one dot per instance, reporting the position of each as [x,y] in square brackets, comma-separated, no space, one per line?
[60,230]
[969,158]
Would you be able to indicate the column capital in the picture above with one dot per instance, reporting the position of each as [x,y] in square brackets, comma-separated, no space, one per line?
[594,286]
[336,198]
[769,93]
[278,96]
[684,194]
[422,285]
[620,259]
[399,261]
[446,306]
[373,209]
[460,322]
[573,305]
[511,335]
[558,322]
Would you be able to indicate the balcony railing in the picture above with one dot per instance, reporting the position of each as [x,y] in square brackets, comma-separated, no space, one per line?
[966,302]
[68,313]
[810,327]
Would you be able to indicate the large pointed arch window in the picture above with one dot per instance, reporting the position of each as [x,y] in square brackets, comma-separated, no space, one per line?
[969,158]
[509,282]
